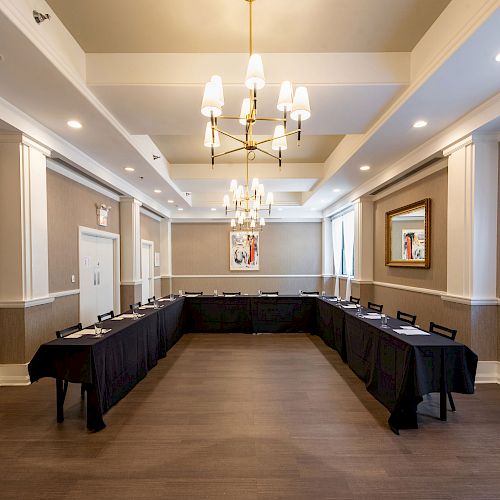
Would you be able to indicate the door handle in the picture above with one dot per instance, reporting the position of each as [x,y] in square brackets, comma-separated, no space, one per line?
[95,278]
[98,277]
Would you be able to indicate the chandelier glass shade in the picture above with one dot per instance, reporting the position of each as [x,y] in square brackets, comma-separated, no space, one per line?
[295,104]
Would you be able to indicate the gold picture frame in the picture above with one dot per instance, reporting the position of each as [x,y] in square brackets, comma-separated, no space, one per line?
[413,242]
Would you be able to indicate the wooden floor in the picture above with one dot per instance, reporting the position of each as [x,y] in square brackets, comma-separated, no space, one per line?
[247,417]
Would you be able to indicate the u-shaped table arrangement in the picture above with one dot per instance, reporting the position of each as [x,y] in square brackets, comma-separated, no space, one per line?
[397,369]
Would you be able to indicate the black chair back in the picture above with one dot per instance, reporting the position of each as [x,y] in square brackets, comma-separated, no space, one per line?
[193,293]
[269,293]
[105,316]
[231,293]
[409,318]
[135,306]
[309,293]
[375,307]
[354,300]
[69,330]
[444,331]
[151,299]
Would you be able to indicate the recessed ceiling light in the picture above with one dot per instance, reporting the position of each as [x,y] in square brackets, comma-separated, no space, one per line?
[497,58]
[157,190]
[74,124]
[213,209]
[280,209]
[365,167]
[180,209]
[420,124]
[130,169]
[170,201]
[336,190]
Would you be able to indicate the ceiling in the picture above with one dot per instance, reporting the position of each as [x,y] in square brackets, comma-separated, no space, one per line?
[153,26]
[145,64]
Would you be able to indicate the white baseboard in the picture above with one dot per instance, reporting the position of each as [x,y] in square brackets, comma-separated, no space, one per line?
[14,374]
[488,372]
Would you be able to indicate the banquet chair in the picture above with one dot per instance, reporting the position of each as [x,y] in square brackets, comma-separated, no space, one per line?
[309,293]
[231,293]
[151,299]
[449,333]
[354,300]
[136,305]
[105,316]
[409,318]
[375,307]
[269,293]
[62,385]
[193,293]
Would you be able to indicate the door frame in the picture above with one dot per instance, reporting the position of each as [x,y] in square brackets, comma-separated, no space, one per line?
[82,230]
[151,246]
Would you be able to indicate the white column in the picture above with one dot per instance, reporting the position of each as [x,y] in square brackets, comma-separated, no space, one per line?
[472,220]
[166,248]
[363,239]
[326,248]
[24,266]
[130,240]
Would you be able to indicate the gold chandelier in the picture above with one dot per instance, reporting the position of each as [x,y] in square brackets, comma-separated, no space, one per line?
[247,204]
[297,104]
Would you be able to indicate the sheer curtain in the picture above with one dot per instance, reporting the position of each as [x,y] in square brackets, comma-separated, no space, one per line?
[348,220]
[337,251]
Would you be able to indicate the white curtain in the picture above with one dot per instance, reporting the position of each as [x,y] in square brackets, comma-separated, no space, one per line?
[348,220]
[337,251]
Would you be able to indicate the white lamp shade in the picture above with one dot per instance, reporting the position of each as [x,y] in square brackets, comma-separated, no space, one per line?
[270,199]
[233,186]
[262,222]
[245,110]
[279,143]
[252,224]
[208,137]
[300,107]
[225,203]
[261,191]
[255,184]
[237,214]
[211,103]
[240,220]
[233,223]
[255,73]
[220,90]
[285,99]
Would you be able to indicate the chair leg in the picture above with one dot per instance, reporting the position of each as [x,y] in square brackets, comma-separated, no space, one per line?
[82,391]
[452,403]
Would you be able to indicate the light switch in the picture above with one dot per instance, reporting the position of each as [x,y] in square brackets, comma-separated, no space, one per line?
[73,279]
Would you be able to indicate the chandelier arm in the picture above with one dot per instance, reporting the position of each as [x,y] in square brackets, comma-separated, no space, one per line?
[229,117]
[271,119]
[278,137]
[228,152]
[270,154]
[231,136]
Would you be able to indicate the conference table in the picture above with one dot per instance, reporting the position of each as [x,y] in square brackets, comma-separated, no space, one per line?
[398,370]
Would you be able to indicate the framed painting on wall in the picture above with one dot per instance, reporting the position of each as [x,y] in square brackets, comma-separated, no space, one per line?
[244,248]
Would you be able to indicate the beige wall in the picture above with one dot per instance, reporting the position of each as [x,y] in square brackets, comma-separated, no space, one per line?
[70,205]
[434,186]
[285,249]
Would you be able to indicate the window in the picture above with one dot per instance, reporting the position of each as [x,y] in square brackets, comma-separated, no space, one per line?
[343,243]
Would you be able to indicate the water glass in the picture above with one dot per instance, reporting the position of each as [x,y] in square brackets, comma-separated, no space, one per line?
[180,293]
[98,329]
[156,304]
[171,296]
[300,292]
[259,292]
[216,293]
[384,321]
[358,310]
[323,294]
[135,314]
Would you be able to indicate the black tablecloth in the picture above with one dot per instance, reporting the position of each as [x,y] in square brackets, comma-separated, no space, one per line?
[397,369]
[110,365]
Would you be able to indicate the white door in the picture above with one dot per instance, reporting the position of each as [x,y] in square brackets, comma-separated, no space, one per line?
[96,277]
[147,271]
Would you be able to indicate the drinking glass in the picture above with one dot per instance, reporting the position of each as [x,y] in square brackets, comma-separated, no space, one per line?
[323,294]
[358,310]
[384,321]
[300,292]
[259,292]
[98,329]
[156,304]
[172,296]
[180,293]
[216,293]
[135,314]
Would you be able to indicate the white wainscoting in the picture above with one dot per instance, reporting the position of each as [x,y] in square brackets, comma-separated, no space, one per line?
[14,374]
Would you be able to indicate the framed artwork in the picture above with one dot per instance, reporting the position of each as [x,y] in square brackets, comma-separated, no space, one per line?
[408,235]
[244,249]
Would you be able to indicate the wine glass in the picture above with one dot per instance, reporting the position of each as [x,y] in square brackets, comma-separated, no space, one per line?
[98,329]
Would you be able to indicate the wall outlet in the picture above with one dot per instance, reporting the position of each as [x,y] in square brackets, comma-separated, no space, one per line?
[73,279]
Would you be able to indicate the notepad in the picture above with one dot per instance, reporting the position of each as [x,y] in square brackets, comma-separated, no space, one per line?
[149,306]
[350,306]
[166,300]
[117,318]
[410,331]
[269,295]
[131,316]
[372,316]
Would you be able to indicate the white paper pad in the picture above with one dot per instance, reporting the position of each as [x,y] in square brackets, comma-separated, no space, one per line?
[117,318]
[131,316]
[166,300]
[269,295]
[87,331]
[192,294]
[372,316]
[410,331]
[149,306]
[350,306]
[230,295]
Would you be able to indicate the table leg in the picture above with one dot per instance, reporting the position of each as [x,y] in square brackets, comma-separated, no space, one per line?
[60,396]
